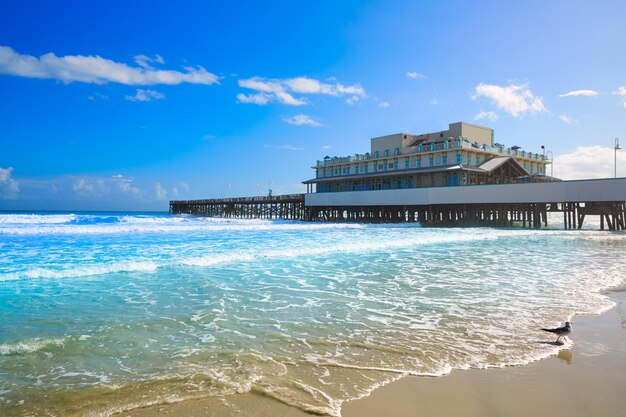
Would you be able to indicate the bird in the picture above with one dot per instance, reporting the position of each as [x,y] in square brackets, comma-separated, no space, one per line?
[562,331]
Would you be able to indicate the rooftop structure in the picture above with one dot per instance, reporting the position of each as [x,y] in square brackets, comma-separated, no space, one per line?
[465,154]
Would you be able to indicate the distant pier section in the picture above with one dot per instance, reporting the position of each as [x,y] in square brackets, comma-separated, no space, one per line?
[290,206]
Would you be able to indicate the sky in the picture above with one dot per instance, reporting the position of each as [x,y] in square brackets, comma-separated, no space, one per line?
[124,105]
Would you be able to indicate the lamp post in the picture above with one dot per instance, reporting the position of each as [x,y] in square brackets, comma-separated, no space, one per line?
[551,163]
[615,149]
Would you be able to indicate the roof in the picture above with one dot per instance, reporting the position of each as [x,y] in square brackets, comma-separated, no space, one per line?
[494,163]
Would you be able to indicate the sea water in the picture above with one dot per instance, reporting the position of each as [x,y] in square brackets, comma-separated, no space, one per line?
[106,312]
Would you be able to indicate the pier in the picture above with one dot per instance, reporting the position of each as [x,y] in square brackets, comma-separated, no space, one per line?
[500,205]
[290,206]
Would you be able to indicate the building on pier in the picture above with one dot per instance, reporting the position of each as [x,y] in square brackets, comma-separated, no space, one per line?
[465,154]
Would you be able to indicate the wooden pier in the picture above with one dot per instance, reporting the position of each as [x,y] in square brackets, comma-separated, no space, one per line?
[289,206]
[292,207]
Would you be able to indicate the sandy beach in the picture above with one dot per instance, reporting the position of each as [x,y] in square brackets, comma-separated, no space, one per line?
[587,380]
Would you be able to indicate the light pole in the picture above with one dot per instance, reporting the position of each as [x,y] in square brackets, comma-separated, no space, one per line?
[551,163]
[615,149]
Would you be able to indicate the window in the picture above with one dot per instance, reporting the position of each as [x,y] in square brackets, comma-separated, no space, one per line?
[469,159]
[375,154]
[459,158]
[396,151]
[406,164]
[431,161]
[444,160]
[386,153]
[419,162]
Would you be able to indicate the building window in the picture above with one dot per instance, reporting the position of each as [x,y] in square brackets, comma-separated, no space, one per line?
[375,154]
[444,159]
[459,158]
[419,162]
[469,159]
[406,164]
[386,153]
[431,160]
[396,151]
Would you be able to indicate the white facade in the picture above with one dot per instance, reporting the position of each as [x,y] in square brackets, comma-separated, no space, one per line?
[608,189]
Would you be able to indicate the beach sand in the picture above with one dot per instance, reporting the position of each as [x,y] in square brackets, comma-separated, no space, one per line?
[587,380]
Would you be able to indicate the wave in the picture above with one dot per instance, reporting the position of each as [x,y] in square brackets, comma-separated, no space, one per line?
[82,270]
[73,224]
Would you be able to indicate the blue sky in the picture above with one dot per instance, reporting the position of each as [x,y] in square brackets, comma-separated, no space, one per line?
[125,105]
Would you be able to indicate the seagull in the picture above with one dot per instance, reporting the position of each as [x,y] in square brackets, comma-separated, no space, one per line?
[561,331]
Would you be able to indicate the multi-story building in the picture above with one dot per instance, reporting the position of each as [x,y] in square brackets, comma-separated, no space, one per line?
[465,154]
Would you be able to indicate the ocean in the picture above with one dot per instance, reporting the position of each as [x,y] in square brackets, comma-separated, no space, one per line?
[106,312]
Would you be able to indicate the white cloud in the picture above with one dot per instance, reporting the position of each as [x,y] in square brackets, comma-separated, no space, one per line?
[566,119]
[159,192]
[145,95]
[383,104]
[326,147]
[517,100]
[98,70]
[588,93]
[589,162]
[621,92]
[8,186]
[283,90]
[208,138]
[487,115]
[416,75]
[184,186]
[302,119]
[101,186]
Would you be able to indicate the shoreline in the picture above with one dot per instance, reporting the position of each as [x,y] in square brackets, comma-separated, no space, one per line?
[586,378]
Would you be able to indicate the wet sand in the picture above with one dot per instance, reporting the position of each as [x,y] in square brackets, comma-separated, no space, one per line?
[587,380]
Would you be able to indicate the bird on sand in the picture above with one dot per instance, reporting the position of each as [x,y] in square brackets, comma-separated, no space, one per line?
[562,331]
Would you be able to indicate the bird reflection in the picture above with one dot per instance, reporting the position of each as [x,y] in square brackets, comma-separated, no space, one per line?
[566,356]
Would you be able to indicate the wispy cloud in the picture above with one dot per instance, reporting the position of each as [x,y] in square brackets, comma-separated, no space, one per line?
[145,95]
[487,115]
[383,104]
[566,119]
[516,100]
[621,91]
[588,162]
[145,61]
[104,186]
[160,193]
[416,75]
[302,120]
[283,90]
[98,70]
[9,187]
[587,93]
[285,146]
[95,96]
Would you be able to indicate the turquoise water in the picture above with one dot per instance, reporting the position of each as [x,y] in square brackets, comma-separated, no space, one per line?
[104,312]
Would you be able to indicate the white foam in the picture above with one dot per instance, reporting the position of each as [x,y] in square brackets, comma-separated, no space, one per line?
[28,346]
